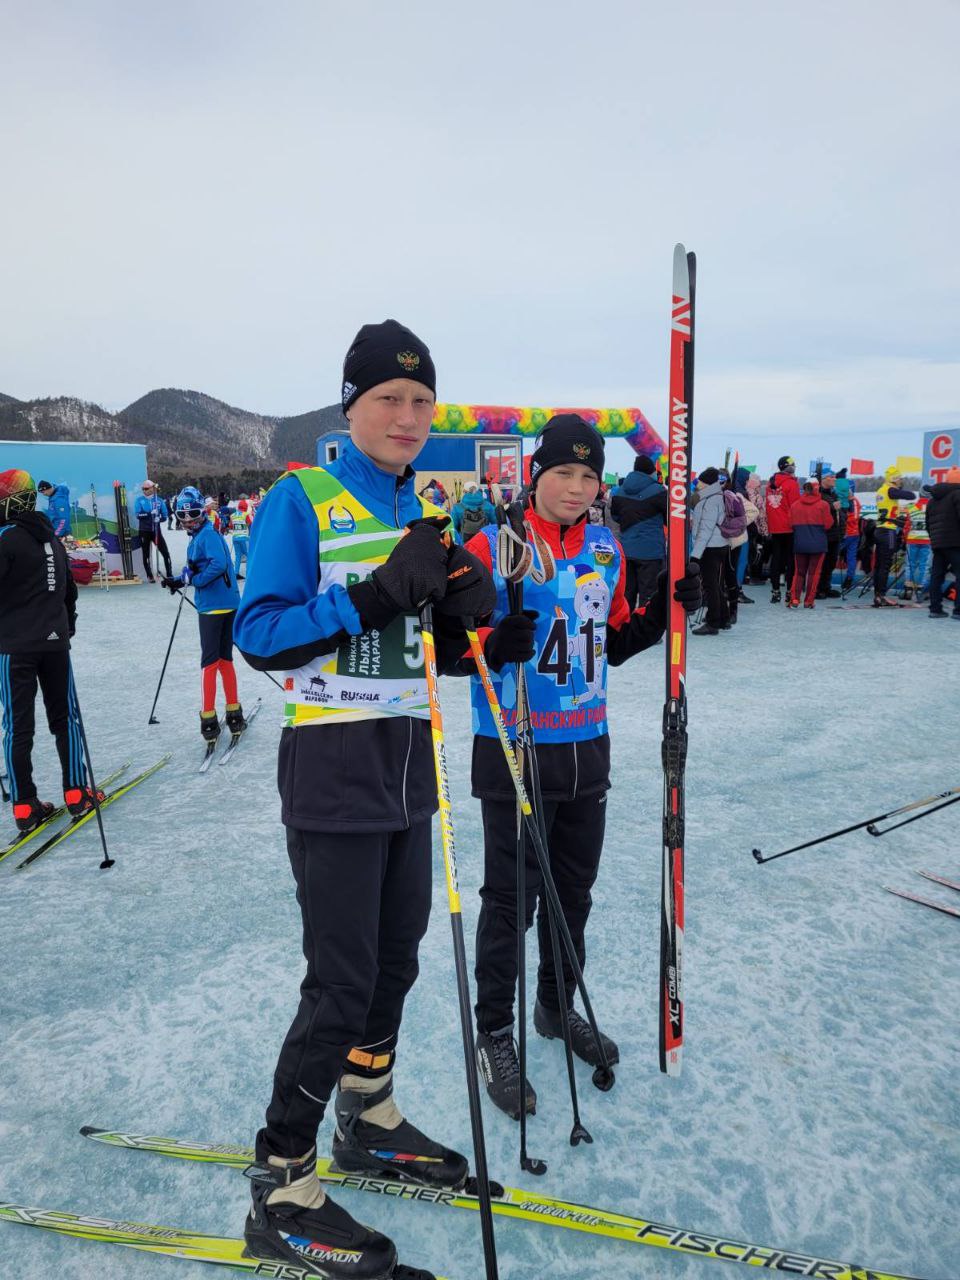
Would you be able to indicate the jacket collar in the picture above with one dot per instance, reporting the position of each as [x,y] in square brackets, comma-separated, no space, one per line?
[362,476]
[564,540]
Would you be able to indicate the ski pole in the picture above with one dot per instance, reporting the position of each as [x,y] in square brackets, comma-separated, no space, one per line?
[153,719]
[107,860]
[263,673]
[459,950]
[603,1076]
[858,826]
[916,817]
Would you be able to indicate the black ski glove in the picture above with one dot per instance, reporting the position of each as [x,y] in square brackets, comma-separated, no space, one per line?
[414,572]
[512,639]
[173,585]
[471,593]
[688,590]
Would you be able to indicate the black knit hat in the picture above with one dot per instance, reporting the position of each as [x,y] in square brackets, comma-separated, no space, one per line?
[567,438]
[709,475]
[381,352]
[644,464]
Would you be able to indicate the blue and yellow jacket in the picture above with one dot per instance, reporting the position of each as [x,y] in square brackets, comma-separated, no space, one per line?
[360,775]
[210,570]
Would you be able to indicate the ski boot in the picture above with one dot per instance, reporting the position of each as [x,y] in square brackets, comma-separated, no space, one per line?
[793,604]
[293,1220]
[234,717]
[775,596]
[372,1137]
[80,800]
[809,606]
[548,1024]
[209,726]
[907,593]
[881,602]
[30,814]
[499,1069]
[743,599]
[847,584]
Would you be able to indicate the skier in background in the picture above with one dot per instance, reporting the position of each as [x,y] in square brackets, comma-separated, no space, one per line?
[58,506]
[38,616]
[571,627]
[151,511]
[217,599]
[342,558]
[240,520]
[782,492]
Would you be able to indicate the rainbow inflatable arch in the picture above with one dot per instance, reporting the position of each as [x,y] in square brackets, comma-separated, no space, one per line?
[481,419]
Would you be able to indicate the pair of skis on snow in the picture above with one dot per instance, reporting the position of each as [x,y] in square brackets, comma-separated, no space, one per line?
[75,823]
[930,902]
[510,1202]
[211,748]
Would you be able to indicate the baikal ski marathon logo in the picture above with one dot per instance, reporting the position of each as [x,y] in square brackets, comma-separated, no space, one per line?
[408,360]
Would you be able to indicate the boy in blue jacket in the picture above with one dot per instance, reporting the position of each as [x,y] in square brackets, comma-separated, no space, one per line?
[58,506]
[342,558]
[209,572]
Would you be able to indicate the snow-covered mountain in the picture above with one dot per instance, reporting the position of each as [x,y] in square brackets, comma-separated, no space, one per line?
[180,428]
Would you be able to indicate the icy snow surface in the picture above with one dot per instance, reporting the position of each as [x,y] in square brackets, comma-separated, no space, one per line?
[818,1106]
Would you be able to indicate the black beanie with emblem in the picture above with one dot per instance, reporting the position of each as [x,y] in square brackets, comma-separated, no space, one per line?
[567,438]
[382,352]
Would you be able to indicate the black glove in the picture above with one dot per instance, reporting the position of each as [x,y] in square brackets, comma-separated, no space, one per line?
[173,585]
[414,572]
[471,593]
[512,639]
[688,590]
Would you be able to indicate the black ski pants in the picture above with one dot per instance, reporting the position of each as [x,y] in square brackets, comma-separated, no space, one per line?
[944,558]
[885,543]
[827,568]
[146,541]
[712,577]
[574,841]
[20,673]
[641,581]
[365,903]
[781,560]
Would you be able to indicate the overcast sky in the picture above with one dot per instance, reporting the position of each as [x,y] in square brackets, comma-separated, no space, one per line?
[216,195]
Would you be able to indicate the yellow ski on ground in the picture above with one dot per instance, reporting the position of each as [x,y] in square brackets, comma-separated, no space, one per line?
[511,1202]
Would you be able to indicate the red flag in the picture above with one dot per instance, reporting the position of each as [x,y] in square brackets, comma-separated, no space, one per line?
[860,467]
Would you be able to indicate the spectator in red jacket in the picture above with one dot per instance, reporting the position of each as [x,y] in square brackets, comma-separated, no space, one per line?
[782,492]
[810,517]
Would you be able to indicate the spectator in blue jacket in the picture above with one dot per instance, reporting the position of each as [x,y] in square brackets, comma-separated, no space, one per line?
[58,506]
[642,539]
[472,513]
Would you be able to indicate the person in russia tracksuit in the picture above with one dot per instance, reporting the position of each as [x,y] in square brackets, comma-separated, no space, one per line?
[342,558]
[572,625]
[811,518]
[38,616]
[151,511]
[209,572]
[58,506]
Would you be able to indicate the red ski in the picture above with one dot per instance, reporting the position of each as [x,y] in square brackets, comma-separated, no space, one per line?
[674,748]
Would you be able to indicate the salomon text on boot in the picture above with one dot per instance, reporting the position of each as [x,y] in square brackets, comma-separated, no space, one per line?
[499,1068]
[372,1137]
[293,1220]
